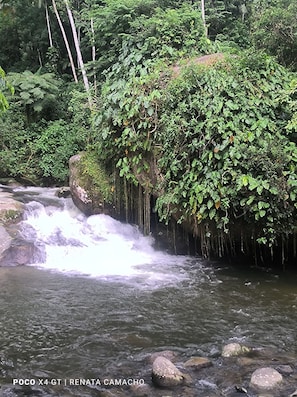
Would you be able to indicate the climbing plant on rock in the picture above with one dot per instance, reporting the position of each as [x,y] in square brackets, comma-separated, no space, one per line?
[226,159]
[223,160]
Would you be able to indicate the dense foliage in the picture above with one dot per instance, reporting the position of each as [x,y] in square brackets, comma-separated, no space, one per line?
[4,86]
[223,153]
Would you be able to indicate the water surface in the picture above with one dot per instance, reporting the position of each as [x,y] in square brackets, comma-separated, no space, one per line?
[102,300]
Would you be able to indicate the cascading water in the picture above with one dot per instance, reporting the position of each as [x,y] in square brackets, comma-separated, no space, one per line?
[98,301]
[96,246]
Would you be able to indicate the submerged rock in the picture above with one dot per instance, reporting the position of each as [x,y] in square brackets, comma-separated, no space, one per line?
[198,362]
[234,349]
[169,354]
[265,378]
[165,373]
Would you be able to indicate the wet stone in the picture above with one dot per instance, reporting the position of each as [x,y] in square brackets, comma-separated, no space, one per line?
[234,349]
[165,373]
[169,354]
[198,363]
[245,361]
[285,369]
[266,378]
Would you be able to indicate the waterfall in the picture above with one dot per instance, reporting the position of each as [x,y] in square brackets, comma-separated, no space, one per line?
[96,246]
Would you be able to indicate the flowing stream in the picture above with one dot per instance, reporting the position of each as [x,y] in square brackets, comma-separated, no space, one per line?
[100,300]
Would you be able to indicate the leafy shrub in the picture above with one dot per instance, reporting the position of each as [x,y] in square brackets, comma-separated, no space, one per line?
[53,148]
[274,29]
[226,159]
[36,93]
[215,138]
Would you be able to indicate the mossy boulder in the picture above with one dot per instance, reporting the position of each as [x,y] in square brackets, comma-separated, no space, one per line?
[235,349]
[90,186]
[10,209]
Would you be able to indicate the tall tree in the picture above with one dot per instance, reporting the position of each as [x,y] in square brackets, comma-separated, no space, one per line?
[78,52]
[50,38]
[65,41]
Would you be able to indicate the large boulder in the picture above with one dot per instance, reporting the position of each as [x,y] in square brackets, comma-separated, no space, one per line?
[14,250]
[90,187]
[266,378]
[21,252]
[165,373]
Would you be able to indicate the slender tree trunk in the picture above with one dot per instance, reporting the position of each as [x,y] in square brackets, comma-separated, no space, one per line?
[48,26]
[203,16]
[78,51]
[65,41]
[93,53]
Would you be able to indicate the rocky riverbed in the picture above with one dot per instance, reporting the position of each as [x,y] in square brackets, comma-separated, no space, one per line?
[14,249]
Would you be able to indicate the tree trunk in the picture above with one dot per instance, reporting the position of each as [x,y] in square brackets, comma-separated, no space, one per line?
[203,15]
[93,53]
[79,55]
[65,41]
[48,26]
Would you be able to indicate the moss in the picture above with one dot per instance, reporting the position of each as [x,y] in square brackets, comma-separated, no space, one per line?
[10,216]
[95,178]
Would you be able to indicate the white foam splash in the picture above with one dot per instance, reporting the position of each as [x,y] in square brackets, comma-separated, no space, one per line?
[97,246]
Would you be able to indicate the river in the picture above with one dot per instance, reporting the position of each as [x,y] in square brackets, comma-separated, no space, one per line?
[101,300]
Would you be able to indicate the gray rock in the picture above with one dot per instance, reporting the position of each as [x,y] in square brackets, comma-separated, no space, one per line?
[5,241]
[169,354]
[10,210]
[265,378]
[21,252]
[198,362]
[234,349]
[79,194]
[63,192]
[165,373]
[90,191]
[285,369]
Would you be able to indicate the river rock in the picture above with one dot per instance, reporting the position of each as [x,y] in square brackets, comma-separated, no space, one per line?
[165,373]
[198,362]
[79,193]
[89,192]
[265,378]
[21,252]
[169,354]
[234,349]
[63,192]
[5,241]
[10,209]
[285,369]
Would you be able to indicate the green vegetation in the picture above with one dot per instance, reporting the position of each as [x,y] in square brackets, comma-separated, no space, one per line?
[225,156]
[213,139]
[4,86]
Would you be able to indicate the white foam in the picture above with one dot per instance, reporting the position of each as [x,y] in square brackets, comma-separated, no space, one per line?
[97,246]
